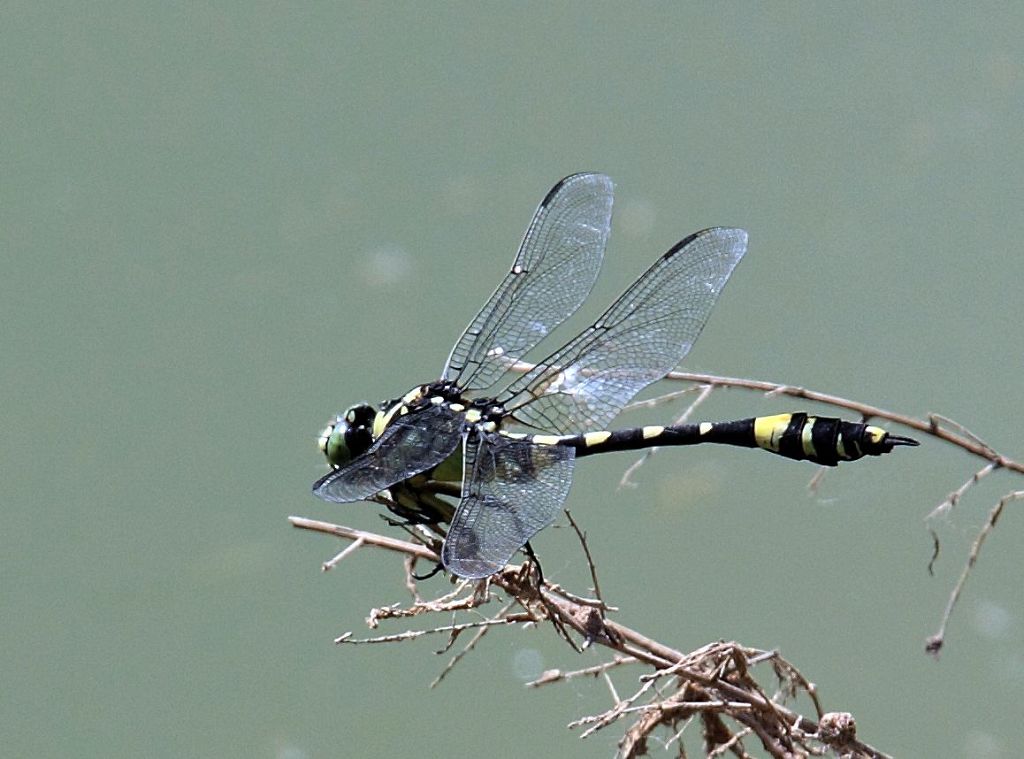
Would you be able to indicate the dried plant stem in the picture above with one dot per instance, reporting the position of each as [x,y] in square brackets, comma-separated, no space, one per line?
[936,641]
[714,684]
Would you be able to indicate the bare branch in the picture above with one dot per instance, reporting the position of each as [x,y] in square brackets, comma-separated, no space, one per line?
[935,642]
[557,676]
[954,498]
[339,557]
[468,647]
[590,559]
[367,538]
[715,684]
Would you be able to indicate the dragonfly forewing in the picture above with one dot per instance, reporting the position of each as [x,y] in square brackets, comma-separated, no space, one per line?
[554,271]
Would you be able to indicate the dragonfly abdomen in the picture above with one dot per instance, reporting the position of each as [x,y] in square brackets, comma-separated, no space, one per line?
[822,440]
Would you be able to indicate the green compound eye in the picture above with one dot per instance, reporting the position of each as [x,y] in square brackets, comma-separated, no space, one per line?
[347,435]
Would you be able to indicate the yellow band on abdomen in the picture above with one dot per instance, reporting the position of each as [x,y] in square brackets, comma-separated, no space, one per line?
[768,430]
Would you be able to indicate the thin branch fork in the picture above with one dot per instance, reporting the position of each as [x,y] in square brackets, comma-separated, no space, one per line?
[364,538]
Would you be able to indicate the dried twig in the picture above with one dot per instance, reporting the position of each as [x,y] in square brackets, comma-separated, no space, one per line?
[340,556]
[715,684]
[590,559]
[936,641]
[954,498]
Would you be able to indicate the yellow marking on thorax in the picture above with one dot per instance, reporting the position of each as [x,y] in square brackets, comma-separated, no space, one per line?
[472,416]
[596,438]
[652,431]
[706,427]
[383,418]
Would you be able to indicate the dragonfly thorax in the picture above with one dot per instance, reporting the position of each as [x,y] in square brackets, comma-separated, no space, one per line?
[348,435]
[485,412]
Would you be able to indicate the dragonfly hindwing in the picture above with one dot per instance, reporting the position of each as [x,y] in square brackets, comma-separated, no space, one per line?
[513,489]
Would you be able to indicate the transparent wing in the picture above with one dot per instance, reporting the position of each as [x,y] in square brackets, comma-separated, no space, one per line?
[514,489]
[558,262]
[638,340]
[411,444]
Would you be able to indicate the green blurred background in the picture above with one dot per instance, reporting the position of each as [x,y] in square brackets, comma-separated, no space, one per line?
[221,222]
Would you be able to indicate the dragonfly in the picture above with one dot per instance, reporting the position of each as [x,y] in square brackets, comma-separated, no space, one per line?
[489,450]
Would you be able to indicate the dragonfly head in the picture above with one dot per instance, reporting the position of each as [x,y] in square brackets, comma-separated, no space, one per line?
[348,435]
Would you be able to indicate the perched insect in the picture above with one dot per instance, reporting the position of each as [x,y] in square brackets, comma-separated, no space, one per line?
[451,438]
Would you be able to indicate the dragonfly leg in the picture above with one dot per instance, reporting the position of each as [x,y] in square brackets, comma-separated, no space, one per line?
[437,568]
[528,549]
